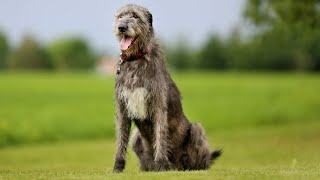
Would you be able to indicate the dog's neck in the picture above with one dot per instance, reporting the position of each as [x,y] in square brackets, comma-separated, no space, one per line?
[134,56]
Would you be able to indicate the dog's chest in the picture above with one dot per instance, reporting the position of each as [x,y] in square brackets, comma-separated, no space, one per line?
[135,102]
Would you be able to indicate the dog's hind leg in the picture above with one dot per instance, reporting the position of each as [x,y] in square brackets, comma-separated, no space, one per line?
[144,154]
[198,155]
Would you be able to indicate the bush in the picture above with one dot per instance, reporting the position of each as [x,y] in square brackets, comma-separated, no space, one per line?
[4,48]
[29,55]
[71,53]
[213,54]
[179,56]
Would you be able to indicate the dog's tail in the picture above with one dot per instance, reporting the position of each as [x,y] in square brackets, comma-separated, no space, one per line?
[215,154]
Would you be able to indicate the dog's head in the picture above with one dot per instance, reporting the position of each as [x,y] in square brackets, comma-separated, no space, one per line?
[133,27]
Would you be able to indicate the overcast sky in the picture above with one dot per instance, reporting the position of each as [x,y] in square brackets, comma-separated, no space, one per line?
[52,19]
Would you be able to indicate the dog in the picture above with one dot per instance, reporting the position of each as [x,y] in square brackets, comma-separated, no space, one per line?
[146,95]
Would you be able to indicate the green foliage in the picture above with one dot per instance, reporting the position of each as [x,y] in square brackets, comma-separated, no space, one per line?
[213,55]
[29,55]
[71,53]
[286,38]
[179,56]
[311,46]
[66,54]
[274,50]
[289,33]
[4,48]
[53,107]
[287,13]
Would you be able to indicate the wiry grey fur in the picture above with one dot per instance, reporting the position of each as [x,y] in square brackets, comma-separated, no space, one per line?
[145,94]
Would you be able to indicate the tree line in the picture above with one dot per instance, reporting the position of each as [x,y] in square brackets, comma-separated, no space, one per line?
[63,54]
[283,35]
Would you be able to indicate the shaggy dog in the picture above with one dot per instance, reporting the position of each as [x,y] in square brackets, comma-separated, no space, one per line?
[146,95]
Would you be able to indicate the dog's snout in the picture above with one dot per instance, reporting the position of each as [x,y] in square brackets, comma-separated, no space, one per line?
[122,28]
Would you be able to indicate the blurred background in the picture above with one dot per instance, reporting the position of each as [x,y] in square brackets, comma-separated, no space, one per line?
[233,35]
[247,69]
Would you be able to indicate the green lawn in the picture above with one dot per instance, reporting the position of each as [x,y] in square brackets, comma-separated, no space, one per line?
[62,125]
[290,152]
[45,107]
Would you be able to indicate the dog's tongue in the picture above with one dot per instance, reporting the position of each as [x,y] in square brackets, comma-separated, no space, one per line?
[125,43]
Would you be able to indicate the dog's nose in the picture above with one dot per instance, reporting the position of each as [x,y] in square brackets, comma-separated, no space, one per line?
[123,28]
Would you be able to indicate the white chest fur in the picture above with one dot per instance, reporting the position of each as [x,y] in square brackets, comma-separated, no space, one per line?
[135,102]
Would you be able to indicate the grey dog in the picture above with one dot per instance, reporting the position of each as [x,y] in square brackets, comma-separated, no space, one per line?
[146,95]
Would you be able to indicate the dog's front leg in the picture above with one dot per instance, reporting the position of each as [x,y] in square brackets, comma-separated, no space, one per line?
[123,131]
[161,144]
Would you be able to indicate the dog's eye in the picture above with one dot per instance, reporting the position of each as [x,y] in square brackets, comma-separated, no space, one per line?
[119,16]
[134,15]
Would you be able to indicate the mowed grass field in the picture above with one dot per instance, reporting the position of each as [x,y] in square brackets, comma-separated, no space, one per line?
[62,125]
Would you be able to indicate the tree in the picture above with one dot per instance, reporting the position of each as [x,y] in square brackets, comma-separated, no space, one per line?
[287,13]
[29,55]
[290,31]
[213,55]
[179,56]
[71,53]
[4,48]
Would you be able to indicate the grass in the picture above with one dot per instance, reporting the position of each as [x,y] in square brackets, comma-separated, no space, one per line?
[46,107]
[62,125]
[52,107]
[286,152]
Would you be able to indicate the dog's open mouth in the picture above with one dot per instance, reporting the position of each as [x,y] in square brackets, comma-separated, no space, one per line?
[125,42]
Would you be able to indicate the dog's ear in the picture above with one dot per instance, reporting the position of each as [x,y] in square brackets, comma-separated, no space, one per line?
[149,15]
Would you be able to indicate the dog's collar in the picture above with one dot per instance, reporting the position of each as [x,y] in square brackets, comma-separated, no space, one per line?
[132,57]
[125,58]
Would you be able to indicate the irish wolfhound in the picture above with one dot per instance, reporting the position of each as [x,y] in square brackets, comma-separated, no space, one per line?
[145,94]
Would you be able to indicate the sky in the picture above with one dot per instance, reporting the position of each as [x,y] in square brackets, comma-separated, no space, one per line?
[49,20]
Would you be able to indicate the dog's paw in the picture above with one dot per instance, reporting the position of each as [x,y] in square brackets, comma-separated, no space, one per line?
[118,166]
[163,165]
[117,170]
